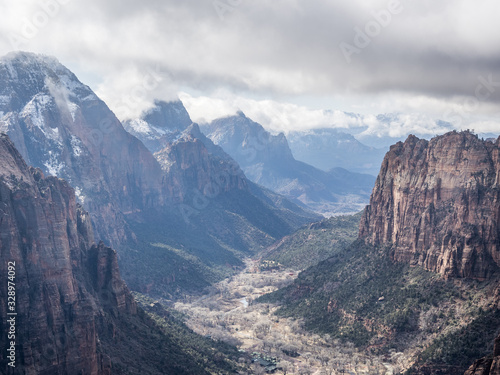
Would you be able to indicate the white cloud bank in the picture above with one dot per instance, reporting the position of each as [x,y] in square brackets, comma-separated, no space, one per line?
[427,57]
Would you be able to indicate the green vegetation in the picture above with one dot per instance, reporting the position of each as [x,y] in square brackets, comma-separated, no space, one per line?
[361,296]
[315,242]
[181,349]
[463,346]
[173,257]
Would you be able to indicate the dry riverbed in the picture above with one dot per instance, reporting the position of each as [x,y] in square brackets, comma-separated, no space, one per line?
[228,313]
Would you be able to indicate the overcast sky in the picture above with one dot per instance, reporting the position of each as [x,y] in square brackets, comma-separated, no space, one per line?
[281,61]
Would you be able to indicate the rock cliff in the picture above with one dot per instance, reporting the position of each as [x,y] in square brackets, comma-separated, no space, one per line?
[75,315]
[49,239]
[60,126]
[487,365]
[437,203]
[188,164]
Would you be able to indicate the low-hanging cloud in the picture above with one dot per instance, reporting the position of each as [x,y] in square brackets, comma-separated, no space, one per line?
[279,49]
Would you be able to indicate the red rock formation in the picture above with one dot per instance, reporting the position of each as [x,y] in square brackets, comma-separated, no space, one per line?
[487,366]
[438,204]
[64,284]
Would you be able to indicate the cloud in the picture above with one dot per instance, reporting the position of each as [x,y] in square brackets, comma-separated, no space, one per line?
[428,52]
[286,117]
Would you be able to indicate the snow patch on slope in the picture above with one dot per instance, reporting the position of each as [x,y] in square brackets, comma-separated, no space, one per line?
[76,146]
[33,113]
[53,164]
[142,127]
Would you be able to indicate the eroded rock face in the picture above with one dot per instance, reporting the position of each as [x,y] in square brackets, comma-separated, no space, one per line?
[65,284]
[487,366]
[160,125]
[59,125]
[438,204]
[188,165]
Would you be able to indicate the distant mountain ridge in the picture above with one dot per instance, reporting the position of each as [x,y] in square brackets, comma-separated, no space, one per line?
[267,160]
[200,233]
[329,148]
[159,125]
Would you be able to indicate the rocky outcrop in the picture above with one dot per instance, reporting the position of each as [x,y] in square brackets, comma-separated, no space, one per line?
[487,365]
[49,239]
[437,203]
[189,165]
[74,313]
[160,125]
[60,126]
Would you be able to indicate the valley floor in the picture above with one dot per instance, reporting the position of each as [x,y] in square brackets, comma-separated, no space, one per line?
[228,313]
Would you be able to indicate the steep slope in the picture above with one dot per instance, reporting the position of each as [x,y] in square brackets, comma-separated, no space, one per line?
[314,243]
[217,218]
[74,313]
[411,317]
[329,148]
[62,127]
[268,161]
[422,278]
[487,366]
[437,203]
[160,125]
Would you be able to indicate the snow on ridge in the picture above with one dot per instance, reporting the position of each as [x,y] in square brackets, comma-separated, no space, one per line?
[161,131]
[140,126]
[53,165]
[146,130]
[76,145]
[71,83]
[34,111]
[79,195]
[4,99]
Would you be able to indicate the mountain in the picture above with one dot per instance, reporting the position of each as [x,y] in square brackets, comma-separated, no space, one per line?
[74,313]
[268,161]
[159,125]
[60,126]
[421,281]
[313,243]
[329,148]
[217,218]
[174,228]
[436,202]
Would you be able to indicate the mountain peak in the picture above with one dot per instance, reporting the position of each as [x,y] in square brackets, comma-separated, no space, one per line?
[160,125]
[33,62]
[168,115]
[423,200]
